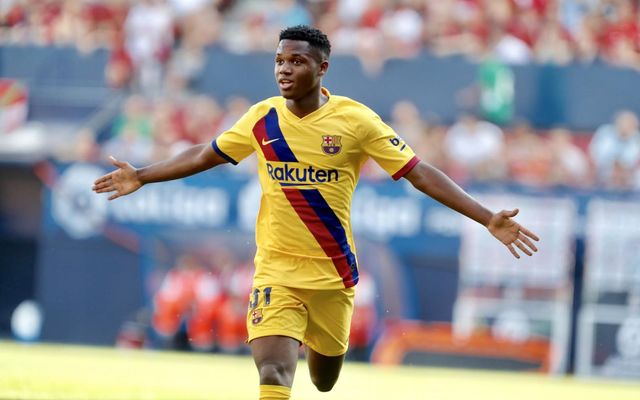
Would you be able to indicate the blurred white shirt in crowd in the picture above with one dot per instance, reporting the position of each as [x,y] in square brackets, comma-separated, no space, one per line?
[350,11]
[185,7]
[513,51]
[609,148]
[471,142]
[404,25]
[149,28]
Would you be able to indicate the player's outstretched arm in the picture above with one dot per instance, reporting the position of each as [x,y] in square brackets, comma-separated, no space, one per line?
[434,183]
[127,179]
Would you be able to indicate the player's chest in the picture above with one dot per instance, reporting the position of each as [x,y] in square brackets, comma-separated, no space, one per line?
[321,144]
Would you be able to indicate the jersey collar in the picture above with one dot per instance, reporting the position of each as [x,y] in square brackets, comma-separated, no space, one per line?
[312,116]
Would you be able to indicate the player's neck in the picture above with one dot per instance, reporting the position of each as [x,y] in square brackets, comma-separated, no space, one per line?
[308,104]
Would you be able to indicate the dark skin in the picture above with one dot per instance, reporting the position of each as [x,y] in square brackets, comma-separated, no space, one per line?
[299,69]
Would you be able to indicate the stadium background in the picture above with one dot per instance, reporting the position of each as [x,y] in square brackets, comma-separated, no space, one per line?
[506,96]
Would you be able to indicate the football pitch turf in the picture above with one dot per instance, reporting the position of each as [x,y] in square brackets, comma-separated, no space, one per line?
[87,373]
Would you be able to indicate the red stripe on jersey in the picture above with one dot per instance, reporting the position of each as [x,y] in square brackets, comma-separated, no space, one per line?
[260,132]
[322,235]
[407,167]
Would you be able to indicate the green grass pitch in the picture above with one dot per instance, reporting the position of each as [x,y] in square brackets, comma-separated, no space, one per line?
[85,373]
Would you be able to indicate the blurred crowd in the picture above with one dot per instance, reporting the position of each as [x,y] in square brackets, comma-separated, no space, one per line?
[471,149]
[157,49]
[149,130]
[475,150]
[202,306]
[154,40]
[200,303]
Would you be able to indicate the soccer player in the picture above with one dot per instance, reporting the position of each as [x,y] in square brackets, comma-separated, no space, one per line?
[310,145]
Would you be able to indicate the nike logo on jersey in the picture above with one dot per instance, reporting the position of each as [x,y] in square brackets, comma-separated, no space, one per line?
[264,143]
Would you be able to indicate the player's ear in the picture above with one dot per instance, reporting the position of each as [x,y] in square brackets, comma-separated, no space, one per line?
[324,66]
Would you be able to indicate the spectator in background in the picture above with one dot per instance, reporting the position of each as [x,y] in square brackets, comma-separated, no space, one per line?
[119,71]
[433,150]
[402,27]
[623,53]
[364,319]
[406,119]
[105,20]
[615,151]
[137,147]
[354,29]
[248,35]
[586,40]
[190,295]
[461,32]
[199,27]
[370,50]
[493,91]
[68,26]
[85,148]
[619,33]
[260,21]
[475,149]
[520,31]
[89,25]
[149,40]
[525,24]
[554,44]
[508,48]
[132,131]
[203,117]
[183,8]
[288,13]
[351,12]
[499,12]
[168,129]
[506,45]
[232,321]
[135,116]
[572,14]
[496,87]
[528,160]
[569,163]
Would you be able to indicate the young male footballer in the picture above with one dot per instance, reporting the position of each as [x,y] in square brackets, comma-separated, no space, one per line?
[310,146]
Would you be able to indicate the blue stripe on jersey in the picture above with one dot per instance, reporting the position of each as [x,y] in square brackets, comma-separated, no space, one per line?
[284,184]
[332,222]
[222,153]
[281,147]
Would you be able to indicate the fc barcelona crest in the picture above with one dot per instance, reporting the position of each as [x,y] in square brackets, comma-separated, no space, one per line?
[331,144]
[256,316]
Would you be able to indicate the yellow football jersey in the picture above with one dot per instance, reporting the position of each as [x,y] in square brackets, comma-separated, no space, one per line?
[308,169]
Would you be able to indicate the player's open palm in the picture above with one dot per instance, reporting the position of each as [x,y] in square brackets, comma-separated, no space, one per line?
[122,181]
[511,233]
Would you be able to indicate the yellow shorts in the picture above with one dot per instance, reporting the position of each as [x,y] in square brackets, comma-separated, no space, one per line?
[320,319]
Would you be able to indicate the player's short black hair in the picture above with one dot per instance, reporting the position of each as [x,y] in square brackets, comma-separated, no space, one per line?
[315,37]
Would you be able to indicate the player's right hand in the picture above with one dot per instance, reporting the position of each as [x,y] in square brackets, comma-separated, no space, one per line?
[512,234]
[122,181]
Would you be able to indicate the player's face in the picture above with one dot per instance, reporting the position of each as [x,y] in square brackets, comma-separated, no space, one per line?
[298,70]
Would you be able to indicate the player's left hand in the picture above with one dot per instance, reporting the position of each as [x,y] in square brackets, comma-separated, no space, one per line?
[511,233]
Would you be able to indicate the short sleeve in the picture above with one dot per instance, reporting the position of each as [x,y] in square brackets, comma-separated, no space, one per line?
[235,144]
[386,147]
